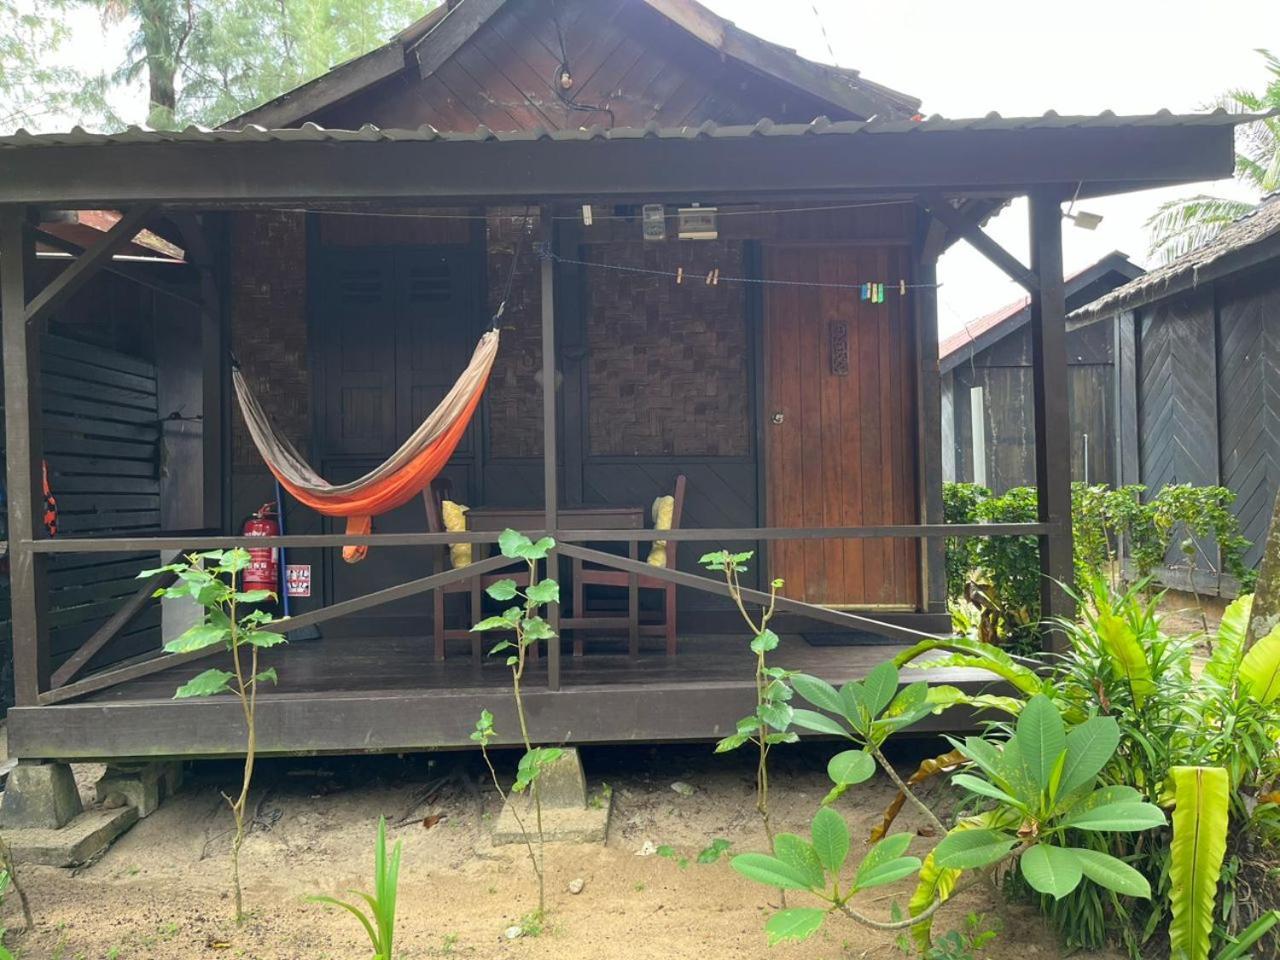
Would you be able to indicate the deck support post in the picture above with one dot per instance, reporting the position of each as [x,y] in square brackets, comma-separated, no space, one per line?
[24,459]
[1052,420]
[546,236]
[933,562]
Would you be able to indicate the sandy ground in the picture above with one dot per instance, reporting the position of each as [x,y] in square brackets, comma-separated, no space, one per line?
[162,891]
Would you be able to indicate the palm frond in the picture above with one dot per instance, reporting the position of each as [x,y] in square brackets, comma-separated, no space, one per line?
[1179,226]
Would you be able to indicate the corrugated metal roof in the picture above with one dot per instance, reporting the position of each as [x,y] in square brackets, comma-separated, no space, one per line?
[78,136]
[1254,227]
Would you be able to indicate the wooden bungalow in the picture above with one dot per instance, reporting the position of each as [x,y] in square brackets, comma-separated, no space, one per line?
[988,429]
[1196,353]
[690,290]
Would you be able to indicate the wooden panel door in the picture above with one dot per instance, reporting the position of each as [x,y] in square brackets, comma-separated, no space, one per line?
[839,422]
[398,326]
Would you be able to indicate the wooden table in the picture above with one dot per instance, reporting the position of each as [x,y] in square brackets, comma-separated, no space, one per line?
[573,518]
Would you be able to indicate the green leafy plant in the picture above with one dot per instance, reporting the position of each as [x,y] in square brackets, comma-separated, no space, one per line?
[379,921]
[961,944]
[709,854]
[769,725]
[527,627]
[209,578]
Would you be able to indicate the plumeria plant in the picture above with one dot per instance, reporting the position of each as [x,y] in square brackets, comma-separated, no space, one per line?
[522,626]
[233,620]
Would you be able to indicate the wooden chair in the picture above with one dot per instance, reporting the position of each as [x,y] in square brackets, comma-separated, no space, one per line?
[584,618]
[433,497]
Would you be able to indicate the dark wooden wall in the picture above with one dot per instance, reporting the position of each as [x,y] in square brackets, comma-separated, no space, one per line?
[623,56]
[1004,372]
[1199,400]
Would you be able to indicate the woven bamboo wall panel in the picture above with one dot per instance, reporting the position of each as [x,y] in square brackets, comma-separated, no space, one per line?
[514,396]
[667,362]
[269,324]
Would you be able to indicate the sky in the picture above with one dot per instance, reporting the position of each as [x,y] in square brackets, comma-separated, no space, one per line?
[1016,57]
[968,58]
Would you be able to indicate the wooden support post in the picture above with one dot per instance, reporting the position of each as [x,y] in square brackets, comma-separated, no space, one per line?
[24,457]
[933,573]
[1052,419]
[546,236]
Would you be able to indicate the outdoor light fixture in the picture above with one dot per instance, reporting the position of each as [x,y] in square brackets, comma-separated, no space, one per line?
[1084,219]
[697,223]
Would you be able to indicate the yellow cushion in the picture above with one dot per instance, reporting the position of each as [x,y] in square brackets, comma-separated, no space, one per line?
[663,510]
[455,521]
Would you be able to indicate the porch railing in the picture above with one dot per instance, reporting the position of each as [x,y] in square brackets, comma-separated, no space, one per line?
[64,686]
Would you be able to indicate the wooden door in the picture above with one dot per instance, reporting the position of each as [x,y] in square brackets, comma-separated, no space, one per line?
[840,424]
[397,326]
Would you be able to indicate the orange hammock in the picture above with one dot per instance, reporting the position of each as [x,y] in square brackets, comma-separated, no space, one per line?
[397,481]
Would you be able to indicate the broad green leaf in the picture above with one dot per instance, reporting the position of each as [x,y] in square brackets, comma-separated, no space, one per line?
[973,848]
[983,789]
[1224,661]
[537,550]
[1260,668]
[535,628]
[1127,655]
[197,638]
[853,700]
[1089,747]
[770,871]
[830,839]
[850,767]
[974,653]
[1041,739]
[885,863]
[1112,873]
[204,684]
[797,923]
[232,561]
[732,742]
[493,623]
[800,854]
[776,715]
[1118,817]
[1050,870]
[267,676]
[263,638]
[1200,814]
[818,722]
[879,686]
[764,642]
[546,591]
[909,700]
[818,692]
[254,596]
[511,542]
[532,764]
[942,697]
[713,851]
[984,755]
[502,590]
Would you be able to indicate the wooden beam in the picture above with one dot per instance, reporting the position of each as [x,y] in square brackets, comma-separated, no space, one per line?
[550,424]
[107,632]
[719,588]
[81,270]
[942,209]
[130,272]
[143,668]
[1052,412]
[452,32]
[24,456]
[924,301]
[171,541]
[989,163]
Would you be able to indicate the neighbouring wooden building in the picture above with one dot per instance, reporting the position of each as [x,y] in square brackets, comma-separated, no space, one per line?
[1197,343]
[988,428]
[690,290]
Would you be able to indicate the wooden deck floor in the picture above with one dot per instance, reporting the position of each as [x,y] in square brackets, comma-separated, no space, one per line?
[362,694]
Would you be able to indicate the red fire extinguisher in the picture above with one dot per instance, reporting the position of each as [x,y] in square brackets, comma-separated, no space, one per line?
[263,572]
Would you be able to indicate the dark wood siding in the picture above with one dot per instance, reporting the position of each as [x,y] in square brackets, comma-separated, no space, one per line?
[1004,372]
[624,57]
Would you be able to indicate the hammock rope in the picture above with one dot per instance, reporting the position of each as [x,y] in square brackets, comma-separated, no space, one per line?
[395,482]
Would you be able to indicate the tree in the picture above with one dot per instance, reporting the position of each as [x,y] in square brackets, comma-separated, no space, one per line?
[202,61]
[1179,226]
